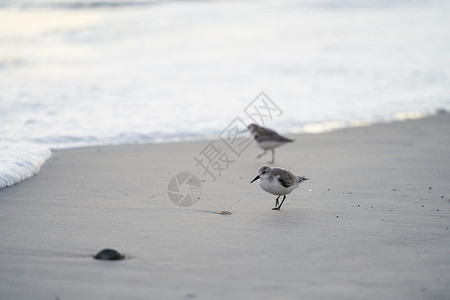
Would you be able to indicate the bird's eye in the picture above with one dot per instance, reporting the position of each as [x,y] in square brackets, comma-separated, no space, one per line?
[264,172]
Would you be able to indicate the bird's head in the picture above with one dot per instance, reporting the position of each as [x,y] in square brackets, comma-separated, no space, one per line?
[263,172]
[252,128]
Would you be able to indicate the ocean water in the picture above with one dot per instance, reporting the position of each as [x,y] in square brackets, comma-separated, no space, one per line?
[77,73]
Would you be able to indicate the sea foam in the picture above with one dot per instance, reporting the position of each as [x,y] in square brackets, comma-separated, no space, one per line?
[20,160]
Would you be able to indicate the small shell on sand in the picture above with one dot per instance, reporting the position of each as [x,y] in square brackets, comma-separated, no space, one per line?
[225,212]
[109,254]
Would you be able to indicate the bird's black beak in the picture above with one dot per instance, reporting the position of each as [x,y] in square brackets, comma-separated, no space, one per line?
[256,178]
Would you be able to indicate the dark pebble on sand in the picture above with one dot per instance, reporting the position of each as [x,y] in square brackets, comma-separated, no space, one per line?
[190,295]
[109,254]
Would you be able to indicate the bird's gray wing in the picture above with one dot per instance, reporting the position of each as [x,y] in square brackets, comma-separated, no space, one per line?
[266,131]
[300,179]
[285,178]
[283,182]
[264,134]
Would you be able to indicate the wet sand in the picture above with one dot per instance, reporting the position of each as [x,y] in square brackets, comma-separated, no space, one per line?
[372,223]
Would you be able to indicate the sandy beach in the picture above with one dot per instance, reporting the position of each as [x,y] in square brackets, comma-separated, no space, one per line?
[372,223]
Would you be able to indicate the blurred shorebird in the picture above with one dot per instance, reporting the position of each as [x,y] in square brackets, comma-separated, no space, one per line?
[267,139]
[277,181]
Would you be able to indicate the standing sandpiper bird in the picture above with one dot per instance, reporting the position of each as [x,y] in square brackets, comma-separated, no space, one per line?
[267,139]
[277,181]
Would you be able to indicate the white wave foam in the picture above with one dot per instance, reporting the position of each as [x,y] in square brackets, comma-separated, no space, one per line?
[20,160]
[322,127]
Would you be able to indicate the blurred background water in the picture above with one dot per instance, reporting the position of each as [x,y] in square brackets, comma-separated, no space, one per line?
[76,73]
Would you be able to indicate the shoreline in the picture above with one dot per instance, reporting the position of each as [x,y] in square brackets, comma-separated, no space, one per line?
[371,223]
[30,162]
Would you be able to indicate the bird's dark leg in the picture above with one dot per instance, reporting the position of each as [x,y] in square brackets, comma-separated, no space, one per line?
[284,197]
[261,154]
[273,156]
[276,203]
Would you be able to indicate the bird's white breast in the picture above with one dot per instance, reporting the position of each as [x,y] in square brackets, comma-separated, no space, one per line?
[274,187]
[265,145]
